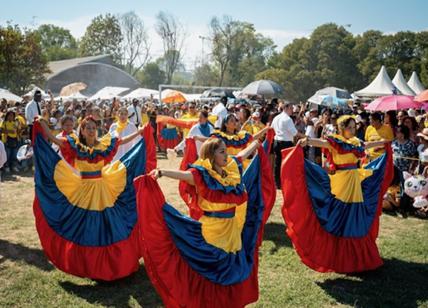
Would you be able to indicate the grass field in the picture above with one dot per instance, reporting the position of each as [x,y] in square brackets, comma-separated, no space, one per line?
[27,279]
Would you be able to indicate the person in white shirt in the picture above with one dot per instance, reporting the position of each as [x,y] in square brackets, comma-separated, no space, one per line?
[123,128]
[134,112]
[285,131]
[203,129]
[32,110]
[220,111]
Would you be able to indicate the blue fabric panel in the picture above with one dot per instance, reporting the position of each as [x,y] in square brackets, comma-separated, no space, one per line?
[340,218]
[169,133]
[80,226]
[214,263]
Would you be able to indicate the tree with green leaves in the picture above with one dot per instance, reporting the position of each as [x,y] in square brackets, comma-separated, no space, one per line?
[237,50]
[151,76]
[57,43]
[103,36]
[22,62]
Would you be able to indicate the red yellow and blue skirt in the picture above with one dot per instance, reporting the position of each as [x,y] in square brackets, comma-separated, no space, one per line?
[86,218]
[213,261]
[168,137]
[333,220]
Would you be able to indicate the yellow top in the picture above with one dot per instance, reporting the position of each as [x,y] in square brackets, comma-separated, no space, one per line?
[188,117]
[9,128]
[346,184]
[373,134]
[224,233]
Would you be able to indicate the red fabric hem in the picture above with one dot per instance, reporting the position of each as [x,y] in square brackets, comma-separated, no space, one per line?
[175,281]
[104,263]
[317,248]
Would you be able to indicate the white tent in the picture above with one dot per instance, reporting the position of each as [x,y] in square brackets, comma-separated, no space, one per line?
[380,86]
[141,93]
[31,93]
[401,84]
[7,95]
[415,84]
[108,93]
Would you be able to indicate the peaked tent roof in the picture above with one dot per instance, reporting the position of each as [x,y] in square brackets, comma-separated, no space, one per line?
[380,86]
[401,84]
[415,84]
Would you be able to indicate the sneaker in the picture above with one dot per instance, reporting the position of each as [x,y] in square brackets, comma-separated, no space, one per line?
[15,169]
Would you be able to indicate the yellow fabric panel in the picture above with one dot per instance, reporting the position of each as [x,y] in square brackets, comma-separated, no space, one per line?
[144,118]
[248,128]
[121,126]
[185,117]
[258,127]
[373,134]
[224,233]
[340,159]
[212,118]
[346,184]
[83,165]
[91,194]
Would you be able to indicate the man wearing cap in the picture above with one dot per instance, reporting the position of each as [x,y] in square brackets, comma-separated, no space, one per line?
[32,110]
[285,131]
[134,112]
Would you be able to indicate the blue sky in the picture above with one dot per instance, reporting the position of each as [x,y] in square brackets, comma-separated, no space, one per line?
[281,20]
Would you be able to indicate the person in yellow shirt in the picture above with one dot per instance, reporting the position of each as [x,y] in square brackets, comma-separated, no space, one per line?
[377,131]
[10,138]
[192,115]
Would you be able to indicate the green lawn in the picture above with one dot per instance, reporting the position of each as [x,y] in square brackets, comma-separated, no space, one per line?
[27,279]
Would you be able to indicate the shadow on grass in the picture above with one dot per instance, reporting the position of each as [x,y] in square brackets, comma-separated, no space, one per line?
[118,293]
[31,256]
[275,232]
[396,284]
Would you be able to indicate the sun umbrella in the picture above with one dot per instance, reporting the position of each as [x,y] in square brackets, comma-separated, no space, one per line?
[422,97]
[173,96]
[267,88]
[218,92]
[393,102]
[72,88]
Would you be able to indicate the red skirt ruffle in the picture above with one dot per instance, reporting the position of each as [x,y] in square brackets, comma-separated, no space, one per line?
[104,263]
[317,248]
[175,281]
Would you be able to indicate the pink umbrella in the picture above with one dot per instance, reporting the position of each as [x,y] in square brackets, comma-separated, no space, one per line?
[393,102]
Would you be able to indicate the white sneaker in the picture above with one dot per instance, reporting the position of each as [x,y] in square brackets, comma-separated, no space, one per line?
[15,169]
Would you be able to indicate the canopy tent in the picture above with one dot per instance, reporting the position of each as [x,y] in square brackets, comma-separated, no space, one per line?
[108,93]
[380,86]
[415,84]
[9,96]
[401,84]
[172,96]
[31,93]
[141,93]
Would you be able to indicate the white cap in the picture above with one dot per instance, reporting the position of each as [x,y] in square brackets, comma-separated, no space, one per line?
[411,113]
[256,114]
